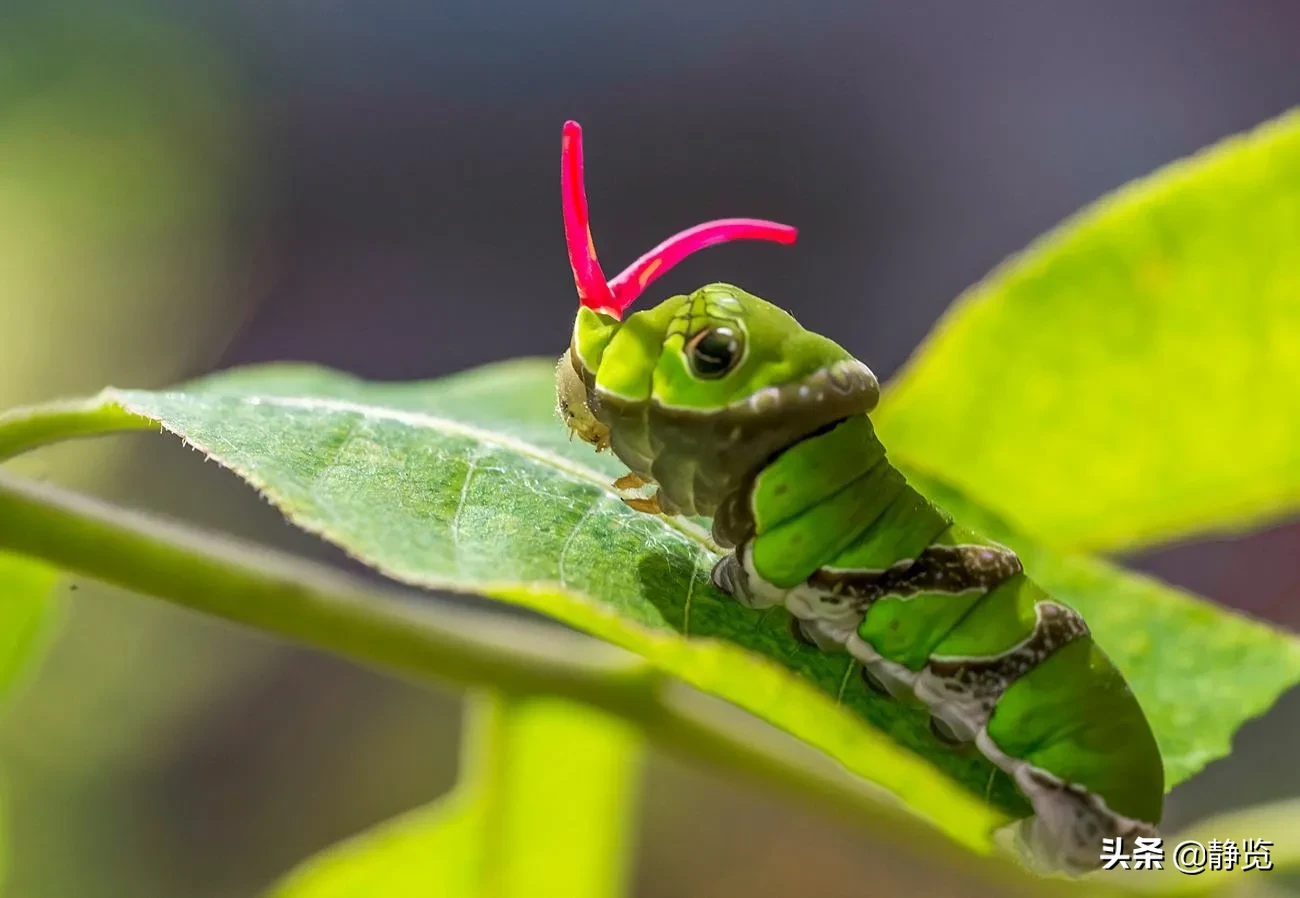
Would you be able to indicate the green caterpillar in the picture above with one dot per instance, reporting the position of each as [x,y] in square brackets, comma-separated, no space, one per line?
[732,410]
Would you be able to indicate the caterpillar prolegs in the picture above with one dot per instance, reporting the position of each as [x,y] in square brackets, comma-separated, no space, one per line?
[732,410]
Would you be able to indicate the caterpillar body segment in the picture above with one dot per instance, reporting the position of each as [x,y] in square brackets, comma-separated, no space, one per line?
[956,625]
[728,408]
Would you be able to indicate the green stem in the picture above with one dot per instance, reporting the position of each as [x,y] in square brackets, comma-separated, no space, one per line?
[317,606]
[23,429]
[309,603]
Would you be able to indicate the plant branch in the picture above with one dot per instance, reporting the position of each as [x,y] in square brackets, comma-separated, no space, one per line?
[22,429]
[309,603]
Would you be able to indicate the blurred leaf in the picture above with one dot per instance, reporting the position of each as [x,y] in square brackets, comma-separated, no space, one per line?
[1133,377]
[470,481]
[435,850]
[544,807]
[26,607]
[558,788]
[26,611]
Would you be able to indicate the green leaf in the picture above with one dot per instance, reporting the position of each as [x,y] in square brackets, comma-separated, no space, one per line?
[1132,377]
[470,483]
[543,808]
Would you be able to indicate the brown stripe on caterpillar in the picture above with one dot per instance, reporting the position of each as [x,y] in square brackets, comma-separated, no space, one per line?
[1057,626]
[963,690]
[941,569]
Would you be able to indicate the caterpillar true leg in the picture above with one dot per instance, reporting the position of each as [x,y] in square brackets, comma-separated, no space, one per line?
[630,481]
[643,504]
[734,411]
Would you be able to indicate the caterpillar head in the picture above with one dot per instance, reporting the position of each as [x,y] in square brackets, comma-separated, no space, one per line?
[717,366]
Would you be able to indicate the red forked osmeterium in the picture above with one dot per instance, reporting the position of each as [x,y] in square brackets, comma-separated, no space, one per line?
[612,297]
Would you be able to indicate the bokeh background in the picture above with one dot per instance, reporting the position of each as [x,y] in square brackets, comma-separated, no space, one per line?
[188,185]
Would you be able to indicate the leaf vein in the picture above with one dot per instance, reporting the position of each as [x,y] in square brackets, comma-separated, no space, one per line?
[471,467]
[331,460]
[535,453]
[568,541]
[690,594]
[844,685]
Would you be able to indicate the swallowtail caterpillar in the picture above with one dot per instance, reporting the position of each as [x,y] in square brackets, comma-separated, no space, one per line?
[732,410]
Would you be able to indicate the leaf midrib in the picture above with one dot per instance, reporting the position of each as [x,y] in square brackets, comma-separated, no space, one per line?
[420,421]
